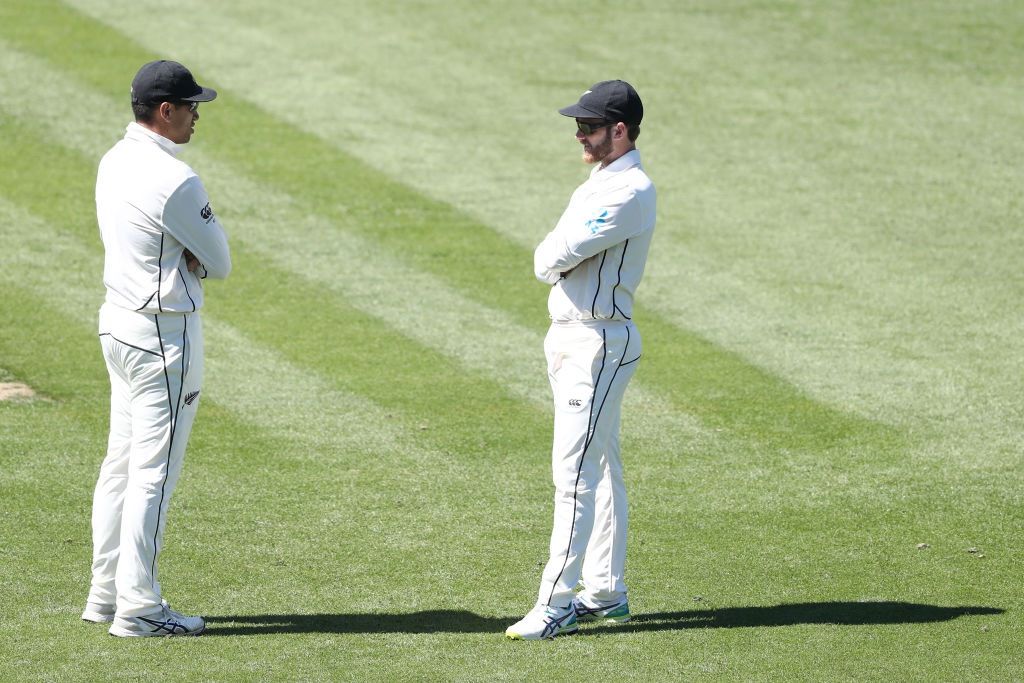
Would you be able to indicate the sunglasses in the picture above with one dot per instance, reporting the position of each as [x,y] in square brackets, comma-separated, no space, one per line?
[192,106]
[588,128]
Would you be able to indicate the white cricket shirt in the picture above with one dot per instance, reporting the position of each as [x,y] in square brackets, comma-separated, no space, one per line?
[151,207]
[603,238]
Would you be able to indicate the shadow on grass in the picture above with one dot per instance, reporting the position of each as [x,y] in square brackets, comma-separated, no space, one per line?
[462,621]
[839,613]
[431,621]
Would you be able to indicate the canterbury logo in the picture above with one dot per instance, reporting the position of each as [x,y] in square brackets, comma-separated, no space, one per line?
[190,397]
[575,402]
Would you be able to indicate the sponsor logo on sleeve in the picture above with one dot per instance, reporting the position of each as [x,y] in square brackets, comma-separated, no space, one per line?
[598,221]
[206,213]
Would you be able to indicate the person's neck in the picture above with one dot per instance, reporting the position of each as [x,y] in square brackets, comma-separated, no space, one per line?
[607,161]
[155,128]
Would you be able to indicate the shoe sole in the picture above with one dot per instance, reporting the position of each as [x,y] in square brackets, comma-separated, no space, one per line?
[125,633]
[564,632]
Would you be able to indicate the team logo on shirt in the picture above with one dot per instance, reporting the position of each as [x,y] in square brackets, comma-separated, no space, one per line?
[190,397]
[206,212]
[598,221]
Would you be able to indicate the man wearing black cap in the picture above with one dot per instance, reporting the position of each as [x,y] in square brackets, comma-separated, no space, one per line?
[594,259]
[161,239]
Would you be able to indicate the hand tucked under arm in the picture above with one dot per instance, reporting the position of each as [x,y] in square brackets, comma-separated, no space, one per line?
[191,262]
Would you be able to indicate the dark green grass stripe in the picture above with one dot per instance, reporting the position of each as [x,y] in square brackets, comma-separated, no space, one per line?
[363,355]
[60,360]
[697,376]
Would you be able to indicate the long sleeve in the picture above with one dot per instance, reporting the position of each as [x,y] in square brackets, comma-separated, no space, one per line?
[189,218]
[595,256]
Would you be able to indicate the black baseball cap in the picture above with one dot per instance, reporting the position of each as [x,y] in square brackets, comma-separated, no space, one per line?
[167,81]
[609,100]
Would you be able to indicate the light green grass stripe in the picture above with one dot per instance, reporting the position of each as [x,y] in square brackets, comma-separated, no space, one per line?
[374,73]
[255,382]
[293,237]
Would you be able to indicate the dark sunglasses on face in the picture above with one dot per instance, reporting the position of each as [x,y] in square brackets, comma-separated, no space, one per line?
[192,106]
[588,128]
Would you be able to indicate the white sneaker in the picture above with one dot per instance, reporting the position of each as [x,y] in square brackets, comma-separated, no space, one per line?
[98,613]
[544,622]
[166,622]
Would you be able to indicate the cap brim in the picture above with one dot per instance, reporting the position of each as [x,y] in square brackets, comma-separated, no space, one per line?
[578,112]
[207,95]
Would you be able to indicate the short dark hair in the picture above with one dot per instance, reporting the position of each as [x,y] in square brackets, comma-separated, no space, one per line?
[633,130]
[145,112]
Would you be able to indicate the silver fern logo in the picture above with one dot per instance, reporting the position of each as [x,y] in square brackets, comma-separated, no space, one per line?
[190,397]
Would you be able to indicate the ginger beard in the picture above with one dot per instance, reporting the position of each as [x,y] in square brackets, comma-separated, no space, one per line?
[592,154]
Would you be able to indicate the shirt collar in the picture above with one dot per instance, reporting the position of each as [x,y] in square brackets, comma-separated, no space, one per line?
[627,160]
[137,132]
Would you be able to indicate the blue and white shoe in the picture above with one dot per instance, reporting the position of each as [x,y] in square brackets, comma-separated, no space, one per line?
[166,622]
[615,613]
[544,622]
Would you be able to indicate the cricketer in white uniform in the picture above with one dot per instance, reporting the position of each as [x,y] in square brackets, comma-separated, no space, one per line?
[161,238]
[594,259]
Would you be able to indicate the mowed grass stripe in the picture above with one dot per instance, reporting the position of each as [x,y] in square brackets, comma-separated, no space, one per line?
[797,455]
[787,551]
[252,531]
[254,382]
[765,167]
[656,438]
[731,394]
[367,474]
[365,466]
[245,375]
[296,236]
[298,381]
[794,442]
[480,340]
[724,390]
[763,475]
[50,453]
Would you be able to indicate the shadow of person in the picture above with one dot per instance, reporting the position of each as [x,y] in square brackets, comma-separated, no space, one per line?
[430,621]
[839,613]
[463,621]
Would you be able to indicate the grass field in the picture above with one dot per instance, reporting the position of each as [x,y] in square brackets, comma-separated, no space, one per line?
[832,324]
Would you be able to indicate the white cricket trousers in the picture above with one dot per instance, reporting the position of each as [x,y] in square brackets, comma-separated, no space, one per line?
[589,365]
[155,363]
